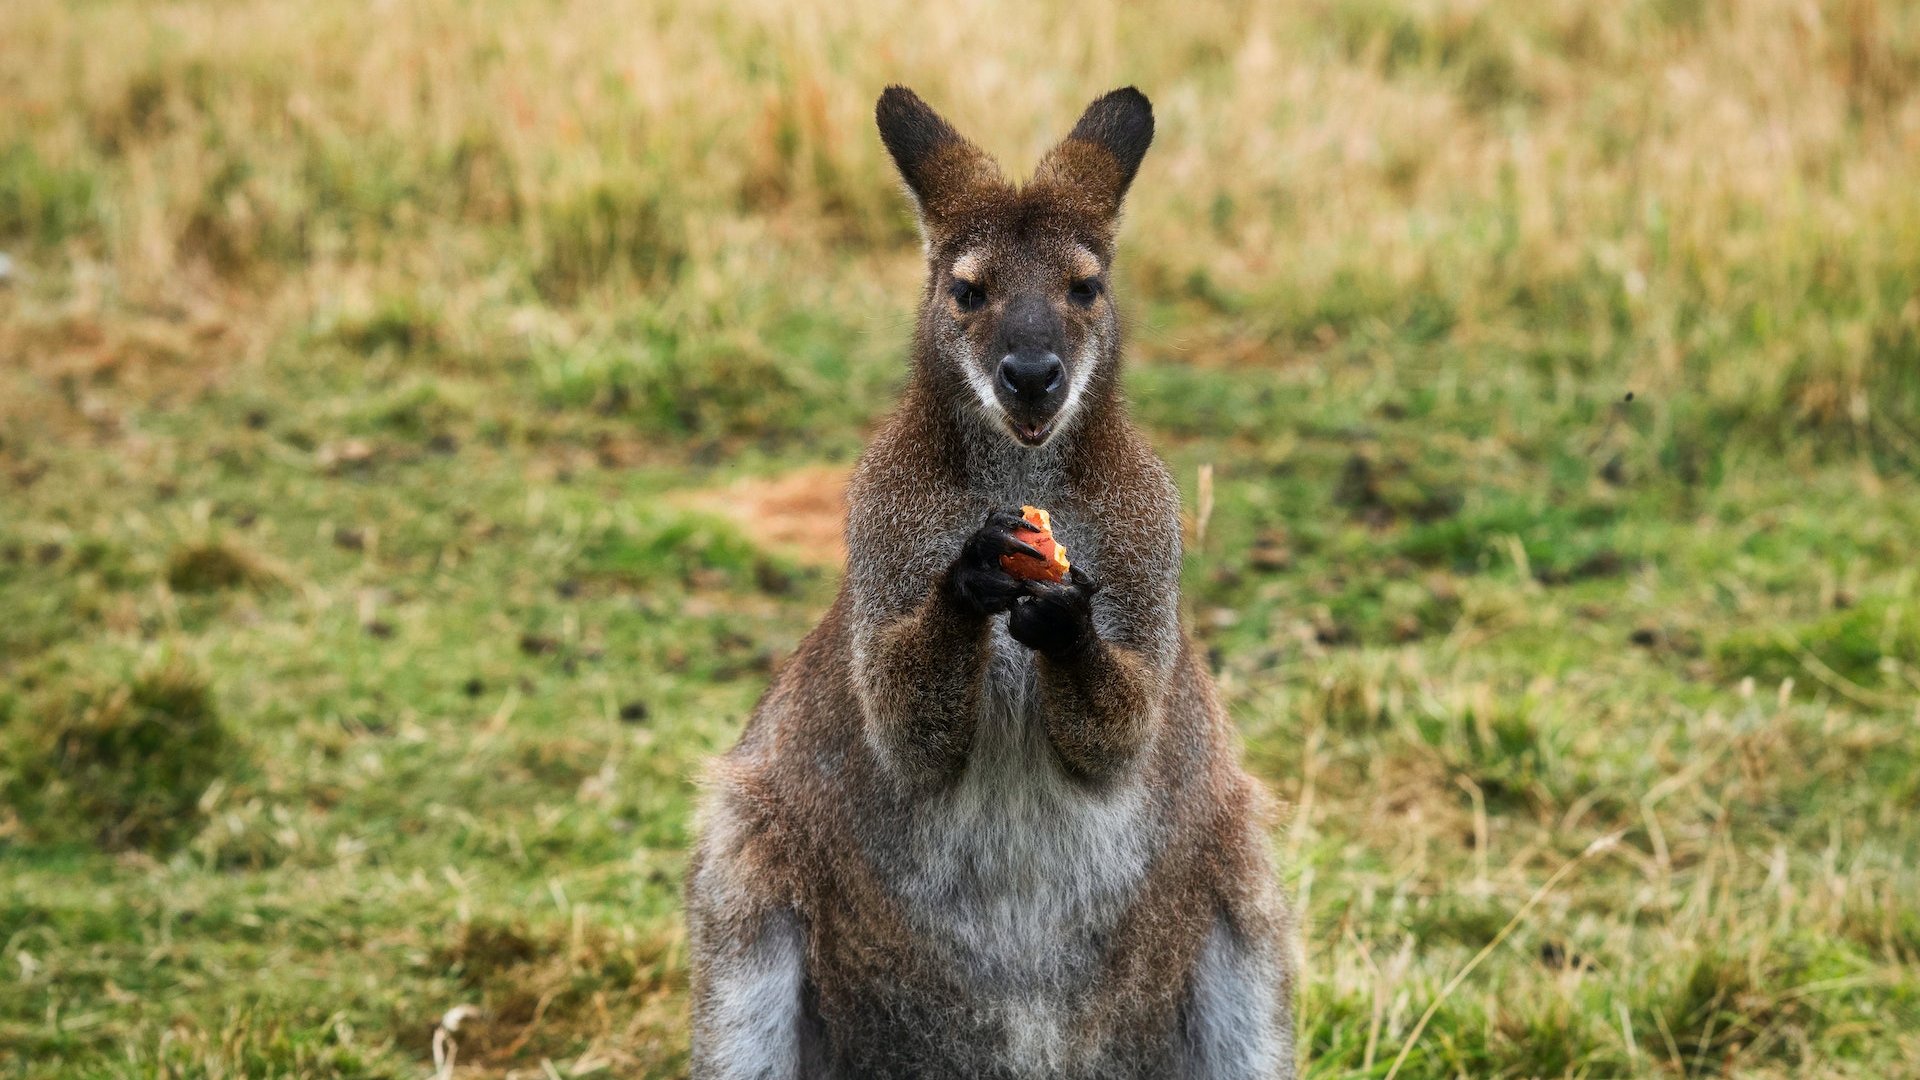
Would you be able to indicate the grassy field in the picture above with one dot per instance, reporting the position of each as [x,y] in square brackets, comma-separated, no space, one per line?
[421,428]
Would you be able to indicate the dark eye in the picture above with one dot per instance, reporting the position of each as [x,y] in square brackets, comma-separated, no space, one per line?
[970,296]
[1084,291]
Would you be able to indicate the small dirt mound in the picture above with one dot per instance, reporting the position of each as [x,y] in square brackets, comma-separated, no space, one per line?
[801,514]
[122,764]
[214,565]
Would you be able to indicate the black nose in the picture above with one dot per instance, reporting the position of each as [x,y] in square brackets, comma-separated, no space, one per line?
[1031,376]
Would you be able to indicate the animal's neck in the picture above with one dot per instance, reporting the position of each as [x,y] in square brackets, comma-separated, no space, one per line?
[995,463]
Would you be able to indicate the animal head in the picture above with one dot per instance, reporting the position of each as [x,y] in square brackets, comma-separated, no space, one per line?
[1018,317]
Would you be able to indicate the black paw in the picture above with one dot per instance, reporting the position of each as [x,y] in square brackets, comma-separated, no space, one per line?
[1055,620]
[977,579]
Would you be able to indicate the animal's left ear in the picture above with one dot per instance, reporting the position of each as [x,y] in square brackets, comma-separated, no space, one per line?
[1099,157]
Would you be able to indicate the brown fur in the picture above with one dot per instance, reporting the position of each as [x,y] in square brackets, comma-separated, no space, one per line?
[937,851]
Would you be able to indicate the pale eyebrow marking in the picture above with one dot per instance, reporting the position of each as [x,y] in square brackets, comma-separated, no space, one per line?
[968,266]
[1085,263]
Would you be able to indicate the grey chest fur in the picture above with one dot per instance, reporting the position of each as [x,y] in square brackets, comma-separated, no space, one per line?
[1016,874]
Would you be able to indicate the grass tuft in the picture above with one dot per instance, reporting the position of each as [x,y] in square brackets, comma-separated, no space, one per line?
[120,763]
[213,565]
[1873,643]
[42,203]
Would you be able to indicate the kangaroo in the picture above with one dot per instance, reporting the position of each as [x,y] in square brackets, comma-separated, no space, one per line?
[981,826]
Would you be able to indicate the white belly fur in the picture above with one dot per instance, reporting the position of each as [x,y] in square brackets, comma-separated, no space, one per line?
[1018,871]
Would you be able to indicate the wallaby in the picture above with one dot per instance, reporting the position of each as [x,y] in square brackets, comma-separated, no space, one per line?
[981,826]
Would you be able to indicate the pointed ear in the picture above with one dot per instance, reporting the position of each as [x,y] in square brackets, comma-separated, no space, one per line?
[1100,156]
[942,169]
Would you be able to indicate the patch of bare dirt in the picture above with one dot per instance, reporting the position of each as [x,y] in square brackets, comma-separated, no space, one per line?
[800,513]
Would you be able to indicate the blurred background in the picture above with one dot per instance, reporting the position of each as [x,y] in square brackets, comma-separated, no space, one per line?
[422,428]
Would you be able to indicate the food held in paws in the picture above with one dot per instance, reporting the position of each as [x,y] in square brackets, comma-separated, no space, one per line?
[1052,564]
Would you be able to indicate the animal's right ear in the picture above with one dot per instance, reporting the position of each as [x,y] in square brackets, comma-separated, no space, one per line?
[943,171]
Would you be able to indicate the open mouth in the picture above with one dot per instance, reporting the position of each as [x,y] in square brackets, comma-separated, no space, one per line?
[1031,434]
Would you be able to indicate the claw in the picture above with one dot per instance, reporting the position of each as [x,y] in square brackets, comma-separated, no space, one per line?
[1023,548]
[1002,522]
[980,579]
[1078,581]
[1004,526]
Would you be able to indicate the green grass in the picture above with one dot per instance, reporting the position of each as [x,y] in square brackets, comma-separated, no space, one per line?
[370,599]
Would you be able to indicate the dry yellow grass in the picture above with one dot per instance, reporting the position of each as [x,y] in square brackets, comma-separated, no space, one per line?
[1714,197]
